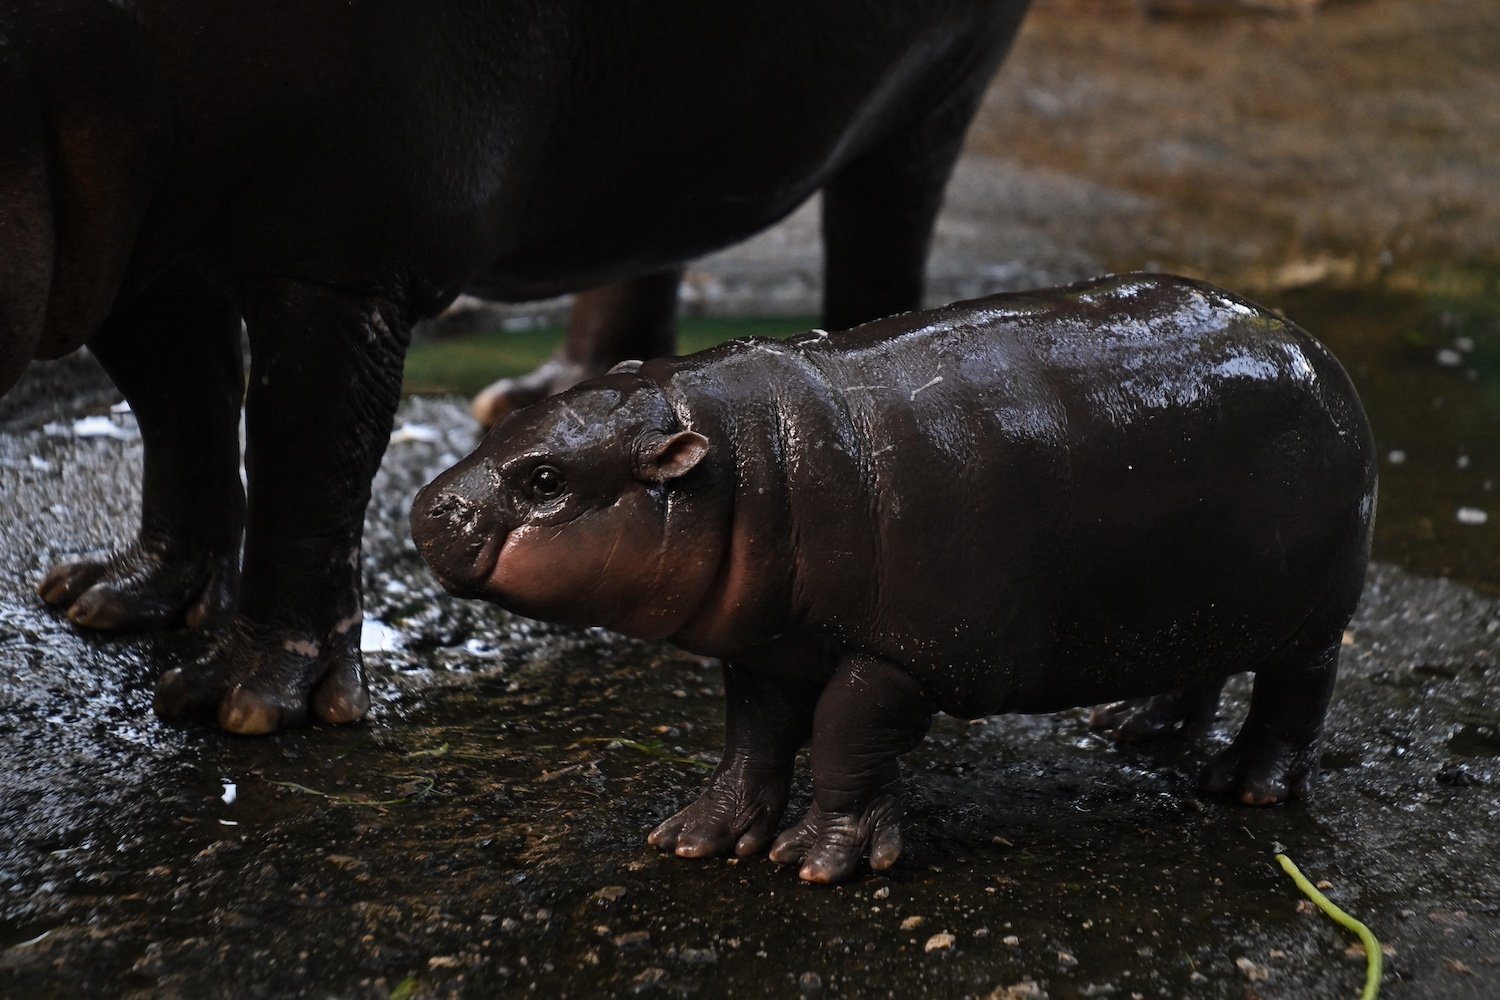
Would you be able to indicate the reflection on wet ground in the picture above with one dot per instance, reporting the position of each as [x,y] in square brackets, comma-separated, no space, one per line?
[483,832]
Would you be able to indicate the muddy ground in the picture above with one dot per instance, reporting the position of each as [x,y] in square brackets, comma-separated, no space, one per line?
[482,834]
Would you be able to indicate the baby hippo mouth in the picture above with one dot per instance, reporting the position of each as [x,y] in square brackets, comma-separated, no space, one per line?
[458,537]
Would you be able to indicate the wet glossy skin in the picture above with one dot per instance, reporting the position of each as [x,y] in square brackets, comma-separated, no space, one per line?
[331,172]
[1127,489]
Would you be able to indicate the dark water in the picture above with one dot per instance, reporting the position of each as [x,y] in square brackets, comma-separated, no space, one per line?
[483,832]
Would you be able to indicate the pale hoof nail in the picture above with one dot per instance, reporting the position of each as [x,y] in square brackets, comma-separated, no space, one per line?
[248,714]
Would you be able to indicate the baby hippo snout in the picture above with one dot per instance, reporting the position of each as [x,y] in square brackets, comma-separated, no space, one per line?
[458,529]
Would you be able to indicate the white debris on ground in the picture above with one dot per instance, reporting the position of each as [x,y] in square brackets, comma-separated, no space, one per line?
[88,427]
[377,637]
[1471,515]
[423,433]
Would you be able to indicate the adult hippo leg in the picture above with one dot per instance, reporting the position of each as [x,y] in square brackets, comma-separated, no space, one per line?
[868,715]
[879,212]
[293,647]
[1184,710]
[175,355]
[1275,755]
[767,720]
[631,319]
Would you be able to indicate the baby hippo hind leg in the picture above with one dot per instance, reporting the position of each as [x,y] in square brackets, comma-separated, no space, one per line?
[870,713]
[767,720]
[1184,710]
[1275,755]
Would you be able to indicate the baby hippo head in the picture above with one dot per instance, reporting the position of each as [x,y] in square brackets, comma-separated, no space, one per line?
[588,508]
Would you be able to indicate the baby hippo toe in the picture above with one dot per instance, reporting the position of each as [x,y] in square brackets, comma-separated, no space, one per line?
[1263,772]
[727,817]
[829,846]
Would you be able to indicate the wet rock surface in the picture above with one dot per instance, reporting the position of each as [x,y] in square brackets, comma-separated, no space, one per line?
[484,830]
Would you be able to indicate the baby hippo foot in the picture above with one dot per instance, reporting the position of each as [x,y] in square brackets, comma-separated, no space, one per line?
[1261,769]
[259,683]
[829,845]
[145,586]
[499,399]
[1184,710]
[738,811]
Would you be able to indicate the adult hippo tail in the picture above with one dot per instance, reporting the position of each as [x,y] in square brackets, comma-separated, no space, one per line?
[329,172]
[1127,489]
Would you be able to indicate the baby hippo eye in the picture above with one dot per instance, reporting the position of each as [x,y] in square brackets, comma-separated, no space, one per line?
[545,484]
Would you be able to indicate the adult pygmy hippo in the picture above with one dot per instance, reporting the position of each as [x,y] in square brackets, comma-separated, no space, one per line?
[1125,489]
[332,171]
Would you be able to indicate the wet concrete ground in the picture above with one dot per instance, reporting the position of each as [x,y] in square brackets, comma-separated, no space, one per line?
[483,832]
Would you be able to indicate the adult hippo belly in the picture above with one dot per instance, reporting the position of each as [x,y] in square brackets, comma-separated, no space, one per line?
[868,106]
[332,172]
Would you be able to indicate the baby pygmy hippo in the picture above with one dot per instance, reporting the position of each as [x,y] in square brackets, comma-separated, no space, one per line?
[1126,489]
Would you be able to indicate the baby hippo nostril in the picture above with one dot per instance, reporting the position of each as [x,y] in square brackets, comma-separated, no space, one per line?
[456,535]
[446,509]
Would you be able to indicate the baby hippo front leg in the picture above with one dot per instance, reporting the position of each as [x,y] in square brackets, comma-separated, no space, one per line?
[767,719]
[870,713]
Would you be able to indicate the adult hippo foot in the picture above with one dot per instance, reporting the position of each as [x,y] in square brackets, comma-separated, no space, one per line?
[739,812]
[828,846]
[258,682]
[1261,769]
[500,399]
[145,586]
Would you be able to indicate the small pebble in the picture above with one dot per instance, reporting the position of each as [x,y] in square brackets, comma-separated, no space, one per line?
[1254,971]
[912,923]
[940,942]
[632,939]
[810,982]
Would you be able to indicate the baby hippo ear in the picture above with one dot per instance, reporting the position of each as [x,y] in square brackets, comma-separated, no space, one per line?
[660,457]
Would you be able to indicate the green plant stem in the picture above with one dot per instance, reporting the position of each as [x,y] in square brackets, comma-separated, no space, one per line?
[1367,938]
